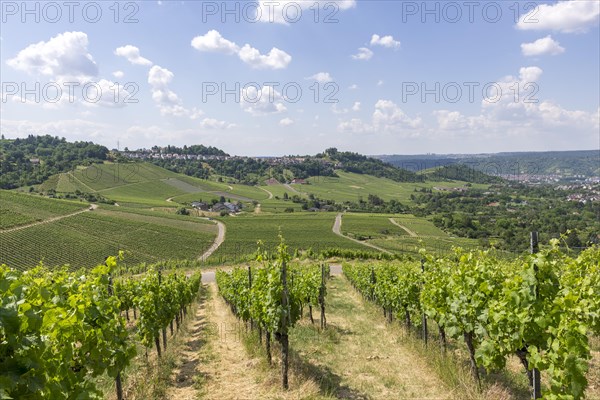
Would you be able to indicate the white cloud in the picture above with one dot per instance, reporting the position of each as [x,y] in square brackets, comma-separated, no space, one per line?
[63,57]
[571,16]
[385,41]
[354,86]
[387,118]
[106,94]
[290,11]
[286,122]
[530,74]
[356,106]
[321,77]
[263,101]
[74,129]
[336,110]
[275,59]
[213,41]
[167,101]
[132,54]
[522,115]
[363,54]
[542,46]
[159,77]
[211,123]
[379,82]
[118,74]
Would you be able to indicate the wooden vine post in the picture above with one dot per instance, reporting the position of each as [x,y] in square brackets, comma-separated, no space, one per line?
[284,339]
[118,384]
[536,380]
[322,297]
[425,334]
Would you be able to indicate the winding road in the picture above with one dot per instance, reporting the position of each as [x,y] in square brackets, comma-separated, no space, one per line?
[218,242]
[337,229]
[54,219]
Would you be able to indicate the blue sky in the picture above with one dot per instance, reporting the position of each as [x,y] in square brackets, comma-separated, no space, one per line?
[376,77]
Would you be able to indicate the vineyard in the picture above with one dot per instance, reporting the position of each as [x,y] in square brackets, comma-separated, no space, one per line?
[302,231]
[21,209]
[60,330]
[541,308]
[86,239]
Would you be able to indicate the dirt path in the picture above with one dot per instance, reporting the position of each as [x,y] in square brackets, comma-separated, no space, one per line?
[218,242]
[337,229]
[226,369]
[268,191]
[46,221]
[411,233]
[188,365]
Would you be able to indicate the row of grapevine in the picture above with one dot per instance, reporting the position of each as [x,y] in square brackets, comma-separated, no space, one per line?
[161,301]
[60,330]
[540,307]
[272,297]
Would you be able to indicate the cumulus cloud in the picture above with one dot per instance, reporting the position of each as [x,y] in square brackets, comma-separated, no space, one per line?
[167,101]
[274,59]
[74,129]
[385,41]
[571,16]
[363,54]
[356,106]
[522,114]
[286,122]
[387,118]
[261,101]
[321,77]
[213,41]
[542,46]
[354,86]
[118,74]
[132,54]
[63,57]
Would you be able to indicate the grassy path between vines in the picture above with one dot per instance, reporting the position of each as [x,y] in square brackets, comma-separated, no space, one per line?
[356,357]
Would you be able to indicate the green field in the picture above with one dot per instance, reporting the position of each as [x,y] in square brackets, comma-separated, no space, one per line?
[300,230]
[88,238]
[20,209]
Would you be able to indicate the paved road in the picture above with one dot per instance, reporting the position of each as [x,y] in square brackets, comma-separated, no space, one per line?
[337,229]
[218,241]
